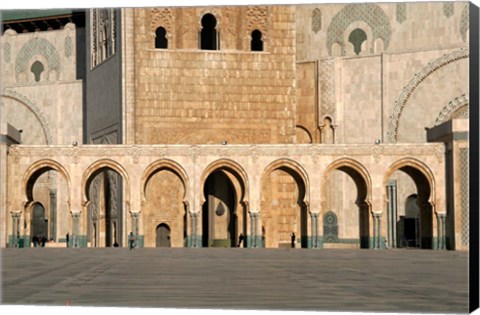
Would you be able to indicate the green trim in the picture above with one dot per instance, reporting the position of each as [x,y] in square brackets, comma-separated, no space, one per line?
[434,242]
[343,241]
[460,136]
[20,15]
[226,243]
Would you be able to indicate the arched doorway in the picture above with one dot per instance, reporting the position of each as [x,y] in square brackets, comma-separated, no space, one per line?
[409,210]
[346,202]
[39,224]
[164,193]
[224,205]
[163,235]
[283,207]
[219,218]
[46,185]
[105,212]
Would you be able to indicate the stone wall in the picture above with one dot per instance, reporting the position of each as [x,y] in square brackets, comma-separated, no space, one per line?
[187,95]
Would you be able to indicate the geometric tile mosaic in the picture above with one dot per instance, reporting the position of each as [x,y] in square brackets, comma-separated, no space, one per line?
[464,195]
[37,46]
[369,13]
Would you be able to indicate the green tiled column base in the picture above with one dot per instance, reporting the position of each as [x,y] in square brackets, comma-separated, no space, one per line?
[251,243]
[23,241]
[81,241]
[372,245]
[434,241]
[319,243]
[139,242]
[382,243]
[194,241]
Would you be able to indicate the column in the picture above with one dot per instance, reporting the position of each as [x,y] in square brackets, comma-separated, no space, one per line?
[135,218]
[16,228]
[377,238]
[379,232]
[75,229]
[394,207]
[53,214]
[389,216]
[441,239]
[312,230]
[392,213]
[316,216]
[254,238]
[193,239]
[444,235]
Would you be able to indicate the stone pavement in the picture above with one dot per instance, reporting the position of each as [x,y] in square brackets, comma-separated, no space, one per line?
[214,278]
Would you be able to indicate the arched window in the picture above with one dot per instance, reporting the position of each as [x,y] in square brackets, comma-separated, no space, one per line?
[37,69]
[161,40]
[357,37]
[209,39]
[256,43]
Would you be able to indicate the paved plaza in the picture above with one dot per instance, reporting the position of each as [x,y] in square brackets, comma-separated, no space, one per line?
[274,279]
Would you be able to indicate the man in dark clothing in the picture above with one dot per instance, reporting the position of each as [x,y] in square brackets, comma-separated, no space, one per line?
[240,239]
[293,239]
[68,238]
[131,239]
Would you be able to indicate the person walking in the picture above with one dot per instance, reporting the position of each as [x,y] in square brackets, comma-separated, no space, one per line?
[131,239]
[292,237]
[240,239]
[67,238]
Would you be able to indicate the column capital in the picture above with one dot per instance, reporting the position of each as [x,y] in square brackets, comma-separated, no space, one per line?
[75,214]
[16,214]
[441,215]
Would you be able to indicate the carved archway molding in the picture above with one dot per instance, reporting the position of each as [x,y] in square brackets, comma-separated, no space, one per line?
[354,165]
[418,78]
[237,169]
[450,108]
[34,109]
[165,164]
[297,168]
[32,173]
[417,165]
[97,166]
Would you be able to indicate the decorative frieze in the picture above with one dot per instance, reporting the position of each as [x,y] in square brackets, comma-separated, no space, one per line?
[327,86]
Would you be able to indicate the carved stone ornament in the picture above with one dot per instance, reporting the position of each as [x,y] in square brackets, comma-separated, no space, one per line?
[440,153]
[135,153]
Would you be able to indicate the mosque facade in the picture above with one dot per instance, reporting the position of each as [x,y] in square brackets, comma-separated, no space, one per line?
[321,125]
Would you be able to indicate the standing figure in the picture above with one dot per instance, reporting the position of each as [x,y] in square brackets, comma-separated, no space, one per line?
[292,236]
[240,239]
[68,238]
[131,239]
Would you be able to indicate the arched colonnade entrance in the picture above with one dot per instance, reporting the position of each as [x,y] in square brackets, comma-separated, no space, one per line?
[229,196]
